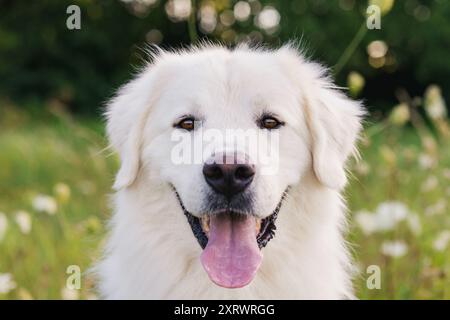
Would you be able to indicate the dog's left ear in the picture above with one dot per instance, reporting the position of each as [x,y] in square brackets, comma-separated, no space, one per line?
[333,119]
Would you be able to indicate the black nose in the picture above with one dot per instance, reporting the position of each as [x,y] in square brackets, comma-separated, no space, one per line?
[228,179]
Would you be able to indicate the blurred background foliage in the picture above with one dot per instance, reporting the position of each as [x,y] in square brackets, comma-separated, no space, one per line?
[56,171]
[79,69]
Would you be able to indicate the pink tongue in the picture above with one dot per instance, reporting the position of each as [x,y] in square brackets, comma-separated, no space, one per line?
[231,257]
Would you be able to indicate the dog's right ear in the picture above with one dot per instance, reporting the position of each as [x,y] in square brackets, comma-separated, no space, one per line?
[126,116]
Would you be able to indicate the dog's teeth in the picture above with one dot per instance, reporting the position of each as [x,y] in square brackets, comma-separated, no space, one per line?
[205,224]
[258,225]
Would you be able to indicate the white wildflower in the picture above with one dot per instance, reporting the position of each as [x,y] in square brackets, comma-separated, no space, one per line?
[394,249]
[426,161]
[388,214]
[386,217]
[70,294]
[6,283]
[366,221]
[44,203]
[441,241]
[23,220]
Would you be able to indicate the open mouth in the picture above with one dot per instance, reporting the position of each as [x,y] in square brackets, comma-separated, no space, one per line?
[232,243]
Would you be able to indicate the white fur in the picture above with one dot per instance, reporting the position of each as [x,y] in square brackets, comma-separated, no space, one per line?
[152,253]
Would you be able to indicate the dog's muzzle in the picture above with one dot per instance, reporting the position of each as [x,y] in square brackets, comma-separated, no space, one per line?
[230,233]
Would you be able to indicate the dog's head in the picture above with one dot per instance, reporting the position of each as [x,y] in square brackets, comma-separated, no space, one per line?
[230,132]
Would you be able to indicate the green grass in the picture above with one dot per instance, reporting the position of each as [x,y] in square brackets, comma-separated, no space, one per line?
[35,156]
[423,272]
[38,153]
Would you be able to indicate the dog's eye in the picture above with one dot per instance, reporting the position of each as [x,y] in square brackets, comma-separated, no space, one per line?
[270,122]
[186,124]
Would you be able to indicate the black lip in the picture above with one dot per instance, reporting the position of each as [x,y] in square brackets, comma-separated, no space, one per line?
[266,233]
[194,222]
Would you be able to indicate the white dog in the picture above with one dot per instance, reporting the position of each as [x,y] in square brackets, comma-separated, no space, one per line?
[215,229]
